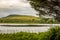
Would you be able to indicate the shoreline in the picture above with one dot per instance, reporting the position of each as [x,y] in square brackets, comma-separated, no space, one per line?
[10,24]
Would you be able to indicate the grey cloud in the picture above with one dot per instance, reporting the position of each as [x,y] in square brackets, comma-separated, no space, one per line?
[22,11]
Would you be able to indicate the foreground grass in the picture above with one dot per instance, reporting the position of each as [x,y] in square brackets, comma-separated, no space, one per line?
[51,34]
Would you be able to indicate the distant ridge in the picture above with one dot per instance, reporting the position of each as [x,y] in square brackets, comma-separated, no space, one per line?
[12,15]
[24,19]
[20,19]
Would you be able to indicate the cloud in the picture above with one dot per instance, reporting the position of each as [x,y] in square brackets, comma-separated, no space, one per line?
[21,7]
[13,4]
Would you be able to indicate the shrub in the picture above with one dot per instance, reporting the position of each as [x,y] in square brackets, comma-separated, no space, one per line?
[52,34]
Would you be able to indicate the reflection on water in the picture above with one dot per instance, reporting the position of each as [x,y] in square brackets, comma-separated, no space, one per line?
[4,29]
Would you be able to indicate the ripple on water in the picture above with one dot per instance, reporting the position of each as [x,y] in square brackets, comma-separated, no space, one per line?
[4,29]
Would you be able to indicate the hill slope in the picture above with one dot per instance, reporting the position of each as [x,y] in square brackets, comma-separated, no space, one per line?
[23,19]
[19,19]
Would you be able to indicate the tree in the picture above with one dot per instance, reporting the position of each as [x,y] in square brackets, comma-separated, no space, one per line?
[47,7]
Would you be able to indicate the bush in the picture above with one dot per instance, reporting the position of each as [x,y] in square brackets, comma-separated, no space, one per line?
[52,34]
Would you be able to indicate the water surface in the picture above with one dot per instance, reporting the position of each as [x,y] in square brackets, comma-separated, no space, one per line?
[11,29]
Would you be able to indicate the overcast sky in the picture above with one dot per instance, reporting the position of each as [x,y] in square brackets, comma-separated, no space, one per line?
[21,7]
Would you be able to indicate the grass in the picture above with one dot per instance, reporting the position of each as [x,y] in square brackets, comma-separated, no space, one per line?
[23,19]
[51,34]
[19,19]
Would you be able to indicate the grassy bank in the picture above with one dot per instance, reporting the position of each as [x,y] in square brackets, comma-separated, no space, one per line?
[22,19]
[51,34]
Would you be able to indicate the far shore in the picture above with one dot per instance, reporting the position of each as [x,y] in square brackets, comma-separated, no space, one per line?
[11,24]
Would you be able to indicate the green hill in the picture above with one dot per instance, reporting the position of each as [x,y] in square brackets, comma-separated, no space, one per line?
[23,19]
[19,19]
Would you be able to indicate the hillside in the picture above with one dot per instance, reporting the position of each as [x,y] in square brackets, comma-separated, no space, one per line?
[19,19]
[23,19]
